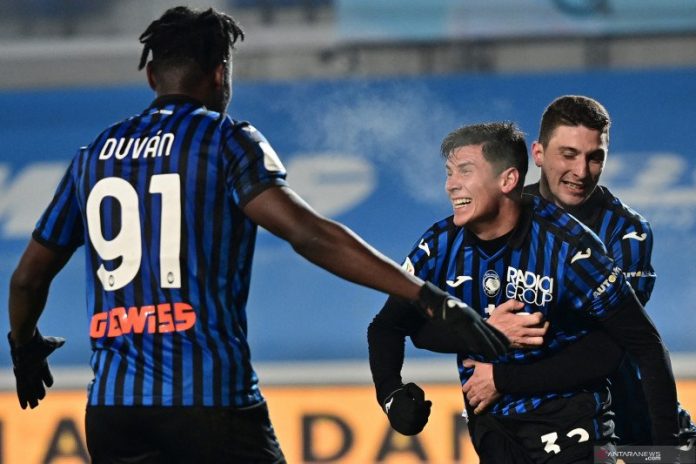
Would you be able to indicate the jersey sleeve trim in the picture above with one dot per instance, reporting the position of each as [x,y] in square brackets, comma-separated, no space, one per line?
[258,188]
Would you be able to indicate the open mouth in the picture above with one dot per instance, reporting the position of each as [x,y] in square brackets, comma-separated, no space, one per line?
[460,202]
[574,186]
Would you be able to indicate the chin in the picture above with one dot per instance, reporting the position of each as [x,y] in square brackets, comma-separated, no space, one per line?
[460,220]
[572,202]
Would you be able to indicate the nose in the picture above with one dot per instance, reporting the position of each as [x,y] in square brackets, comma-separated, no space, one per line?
[580,167]
[451,184]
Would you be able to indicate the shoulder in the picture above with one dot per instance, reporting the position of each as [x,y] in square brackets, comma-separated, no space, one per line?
[631,217]
[241,132]
[436,237]
[565,227]
[441,228]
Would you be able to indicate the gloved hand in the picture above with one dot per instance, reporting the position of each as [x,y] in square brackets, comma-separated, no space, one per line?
[456,321]
[31,367]
[687,430]
[407,409]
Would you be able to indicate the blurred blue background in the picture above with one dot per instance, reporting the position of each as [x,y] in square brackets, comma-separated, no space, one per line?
[355,96]
[365,152]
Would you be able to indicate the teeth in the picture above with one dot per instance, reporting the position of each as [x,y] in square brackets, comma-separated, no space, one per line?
[461,201]
[574,186]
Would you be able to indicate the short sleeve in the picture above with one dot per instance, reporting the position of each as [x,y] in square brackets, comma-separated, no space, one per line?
[631,249]
[252,164]
[61,225]
[596,283]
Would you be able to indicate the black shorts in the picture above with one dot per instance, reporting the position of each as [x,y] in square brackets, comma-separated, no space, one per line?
[560,431]
[123,434]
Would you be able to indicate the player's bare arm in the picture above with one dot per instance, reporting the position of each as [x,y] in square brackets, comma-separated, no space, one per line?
[29,287]
[328,244]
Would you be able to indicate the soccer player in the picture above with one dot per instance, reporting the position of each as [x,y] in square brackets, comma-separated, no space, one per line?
[571,151]
[499,247]
[167,204]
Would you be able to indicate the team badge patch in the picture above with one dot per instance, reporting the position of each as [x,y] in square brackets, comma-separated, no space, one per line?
[491,283]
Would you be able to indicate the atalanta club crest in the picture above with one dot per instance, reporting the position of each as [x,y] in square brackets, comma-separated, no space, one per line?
[491,283]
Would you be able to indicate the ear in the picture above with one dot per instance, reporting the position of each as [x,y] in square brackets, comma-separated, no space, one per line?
[509,179]
[219,76]
[538,153]
[151,80]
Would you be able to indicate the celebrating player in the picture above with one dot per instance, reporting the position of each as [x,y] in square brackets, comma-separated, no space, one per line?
[499,247]
[572,151]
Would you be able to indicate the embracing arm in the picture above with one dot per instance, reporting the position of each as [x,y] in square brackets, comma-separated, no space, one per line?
[632,328]
[589,360]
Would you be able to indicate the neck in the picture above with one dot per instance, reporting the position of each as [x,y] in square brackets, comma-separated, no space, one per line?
[503,222]
[545,191]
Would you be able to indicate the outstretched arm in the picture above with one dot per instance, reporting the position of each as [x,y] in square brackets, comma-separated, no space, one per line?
[328,243]
[335,248]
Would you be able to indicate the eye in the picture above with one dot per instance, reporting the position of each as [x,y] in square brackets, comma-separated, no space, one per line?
[465,169]
[597,158]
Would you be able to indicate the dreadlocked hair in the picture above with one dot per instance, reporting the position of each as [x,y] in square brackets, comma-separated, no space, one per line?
[182,33]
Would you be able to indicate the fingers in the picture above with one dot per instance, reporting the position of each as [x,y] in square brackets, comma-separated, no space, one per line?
[55,342]
[469,363]
[22,400]
[510,306]
[531,342]
[535,319]
[415,391]
[46,375]
[483,405]
[536,331]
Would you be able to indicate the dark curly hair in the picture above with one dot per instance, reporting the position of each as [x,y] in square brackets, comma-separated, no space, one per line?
[183,35]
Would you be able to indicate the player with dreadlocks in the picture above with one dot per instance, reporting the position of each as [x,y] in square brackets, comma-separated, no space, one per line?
[167,204]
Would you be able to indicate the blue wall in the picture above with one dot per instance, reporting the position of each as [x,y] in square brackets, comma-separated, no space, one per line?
[365,152]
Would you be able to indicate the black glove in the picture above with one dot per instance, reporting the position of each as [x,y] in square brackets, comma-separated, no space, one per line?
[31,367]
[407,409]
[687,430]
[455,319]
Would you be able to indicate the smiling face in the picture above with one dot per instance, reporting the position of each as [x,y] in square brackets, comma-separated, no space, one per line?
[571,164]
[473,187]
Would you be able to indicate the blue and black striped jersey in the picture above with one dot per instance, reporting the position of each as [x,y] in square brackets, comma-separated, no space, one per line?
[625,233]
[157,199]
[629,240]
[551,262]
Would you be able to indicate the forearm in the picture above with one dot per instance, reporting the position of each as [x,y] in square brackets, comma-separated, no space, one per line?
[588,361]
[29,287]
[432,337]
[385,336]
[339,250]
[632,328]
[328,244]
[26,303]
